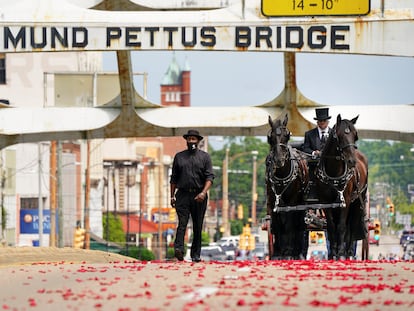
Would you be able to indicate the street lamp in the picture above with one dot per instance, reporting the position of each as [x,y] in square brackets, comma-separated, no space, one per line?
[226,161]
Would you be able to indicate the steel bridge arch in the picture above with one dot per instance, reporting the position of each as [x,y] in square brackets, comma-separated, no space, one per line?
[238,26]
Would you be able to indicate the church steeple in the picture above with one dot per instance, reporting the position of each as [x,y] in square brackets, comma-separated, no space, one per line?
[175,85]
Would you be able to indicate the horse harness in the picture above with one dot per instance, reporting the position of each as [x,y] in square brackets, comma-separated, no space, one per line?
[296,170]
[339,183]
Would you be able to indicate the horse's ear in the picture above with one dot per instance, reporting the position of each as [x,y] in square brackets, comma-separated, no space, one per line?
[270,122]
[355,119]
[285,121]
[338,119]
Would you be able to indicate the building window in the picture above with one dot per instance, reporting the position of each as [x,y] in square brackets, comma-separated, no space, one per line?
[29,203]
[2,68]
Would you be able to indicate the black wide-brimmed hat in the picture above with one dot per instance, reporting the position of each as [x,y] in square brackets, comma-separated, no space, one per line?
[322,114]
[193,133]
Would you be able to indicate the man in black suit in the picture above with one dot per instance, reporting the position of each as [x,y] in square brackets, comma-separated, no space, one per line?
[313,144]
[315,138]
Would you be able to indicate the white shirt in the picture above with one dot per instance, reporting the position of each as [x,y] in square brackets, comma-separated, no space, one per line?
[325,132]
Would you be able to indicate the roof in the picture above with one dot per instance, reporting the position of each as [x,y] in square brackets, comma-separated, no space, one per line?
[173,74]
[146,226]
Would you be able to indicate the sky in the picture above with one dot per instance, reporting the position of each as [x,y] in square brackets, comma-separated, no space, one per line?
[253,78]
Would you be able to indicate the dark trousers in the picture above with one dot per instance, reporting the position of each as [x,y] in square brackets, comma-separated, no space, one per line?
[185,206]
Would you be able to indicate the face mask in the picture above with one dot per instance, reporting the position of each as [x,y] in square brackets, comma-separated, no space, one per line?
[192,147]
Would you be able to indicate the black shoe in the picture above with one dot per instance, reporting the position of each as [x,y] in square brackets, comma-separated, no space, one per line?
[179,255]
[196,259]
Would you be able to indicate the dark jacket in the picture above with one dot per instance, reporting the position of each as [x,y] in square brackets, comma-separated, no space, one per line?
[312,141]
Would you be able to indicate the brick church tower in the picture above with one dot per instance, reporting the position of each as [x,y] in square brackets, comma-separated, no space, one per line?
[176,85]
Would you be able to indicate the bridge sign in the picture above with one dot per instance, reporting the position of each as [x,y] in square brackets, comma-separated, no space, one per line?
[314,7]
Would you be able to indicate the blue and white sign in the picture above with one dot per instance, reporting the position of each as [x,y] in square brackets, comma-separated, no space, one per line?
[29,221]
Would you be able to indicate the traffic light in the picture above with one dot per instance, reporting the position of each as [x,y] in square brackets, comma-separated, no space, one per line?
[240,211]
[391,209]
[313,237]
[377,230]
[247,240]
[172,215]
[79,238]
[321,237]
[390,206]
[243,241]
[252,243]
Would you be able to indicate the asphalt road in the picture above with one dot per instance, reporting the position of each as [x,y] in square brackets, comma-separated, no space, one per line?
[120,283]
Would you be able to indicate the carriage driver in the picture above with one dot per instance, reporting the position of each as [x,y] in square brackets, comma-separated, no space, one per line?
[314,142]
[316,137]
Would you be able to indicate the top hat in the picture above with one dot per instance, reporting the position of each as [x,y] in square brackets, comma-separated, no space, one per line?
[193,133]
[322,114]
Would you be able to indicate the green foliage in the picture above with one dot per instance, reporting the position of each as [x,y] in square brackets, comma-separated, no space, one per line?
[236,227]
[116,233]
[141,253]
[205,239]
[389,162]
[240,184]
[170,253]
[391,170]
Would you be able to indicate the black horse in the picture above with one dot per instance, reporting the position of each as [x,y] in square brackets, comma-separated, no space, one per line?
[342,177]
[286,178]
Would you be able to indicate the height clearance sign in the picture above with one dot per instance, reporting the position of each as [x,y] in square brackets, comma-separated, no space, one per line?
[315,7]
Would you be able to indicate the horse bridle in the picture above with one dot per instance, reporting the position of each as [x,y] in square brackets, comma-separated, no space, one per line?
[340,148]
[286,153]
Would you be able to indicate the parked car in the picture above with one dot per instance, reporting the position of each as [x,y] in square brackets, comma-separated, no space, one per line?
[229,244]
[230,241]
[406,237]
[261,250]
[409,251]
[213,253]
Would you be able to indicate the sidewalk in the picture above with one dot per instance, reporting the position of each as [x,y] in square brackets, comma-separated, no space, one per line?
[10,256]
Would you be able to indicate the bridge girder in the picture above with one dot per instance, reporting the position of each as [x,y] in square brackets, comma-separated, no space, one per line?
[129,115]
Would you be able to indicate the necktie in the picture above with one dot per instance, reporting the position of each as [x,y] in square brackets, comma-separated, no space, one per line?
[322,137]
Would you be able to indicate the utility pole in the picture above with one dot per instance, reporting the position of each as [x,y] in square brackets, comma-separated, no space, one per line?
[40,200]
[225,204]
[87,196]
[60,194]
[254,186]
[160,200]
[52,182]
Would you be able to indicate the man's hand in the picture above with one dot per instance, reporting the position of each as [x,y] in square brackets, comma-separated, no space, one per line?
[172,202]
[200,197]
[316,154]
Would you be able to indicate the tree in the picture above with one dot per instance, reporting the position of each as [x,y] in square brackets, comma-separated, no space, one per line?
[116,232]
[240,184]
